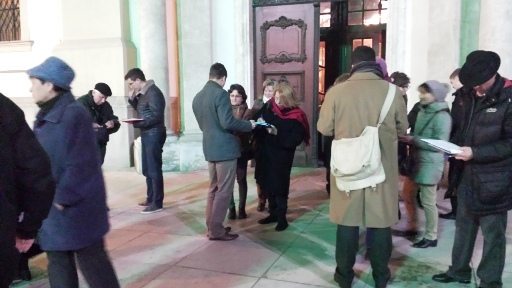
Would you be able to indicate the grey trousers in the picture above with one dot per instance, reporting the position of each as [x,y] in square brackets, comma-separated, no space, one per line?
[222,181]
[493,228]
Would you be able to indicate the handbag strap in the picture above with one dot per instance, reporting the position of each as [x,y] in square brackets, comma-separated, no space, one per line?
[387,103]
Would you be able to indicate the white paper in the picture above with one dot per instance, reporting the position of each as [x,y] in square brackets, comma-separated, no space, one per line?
[132,120]
[445,146]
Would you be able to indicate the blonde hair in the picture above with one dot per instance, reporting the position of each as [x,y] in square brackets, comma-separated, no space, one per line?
[287,96]
[269,82]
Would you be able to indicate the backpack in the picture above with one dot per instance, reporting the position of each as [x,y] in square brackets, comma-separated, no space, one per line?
[356,162]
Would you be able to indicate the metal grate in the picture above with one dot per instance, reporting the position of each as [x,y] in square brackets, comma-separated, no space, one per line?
[9,20]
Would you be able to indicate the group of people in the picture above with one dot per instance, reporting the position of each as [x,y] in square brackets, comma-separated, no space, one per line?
[479,173]
[53,195]
[53,187]
[269,132]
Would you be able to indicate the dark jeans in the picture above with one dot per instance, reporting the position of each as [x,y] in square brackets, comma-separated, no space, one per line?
[493,228]
[152,144]
[379,245]
[94,264]
[241,179]
[103,151]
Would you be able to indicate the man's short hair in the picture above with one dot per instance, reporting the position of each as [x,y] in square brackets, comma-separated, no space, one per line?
[217,71]
[134,74]
[362,54]
[400,79]
[455,73]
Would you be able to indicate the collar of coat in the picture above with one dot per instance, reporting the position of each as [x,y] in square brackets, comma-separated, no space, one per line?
[146,87]
[364,76]
[58,109]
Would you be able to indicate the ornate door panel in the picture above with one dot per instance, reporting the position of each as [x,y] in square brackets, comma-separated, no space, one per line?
[284,50]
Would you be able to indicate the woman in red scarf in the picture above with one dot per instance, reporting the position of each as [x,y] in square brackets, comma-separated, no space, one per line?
[276,148]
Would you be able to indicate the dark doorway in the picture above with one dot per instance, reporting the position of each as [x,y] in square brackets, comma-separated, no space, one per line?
[343,26]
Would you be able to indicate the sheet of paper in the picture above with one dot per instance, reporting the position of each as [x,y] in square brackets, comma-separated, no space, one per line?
[131,120]
[443,145]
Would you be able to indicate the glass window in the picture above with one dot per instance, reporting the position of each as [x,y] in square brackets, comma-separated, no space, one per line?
[355,18]
[371,4]
[355,5]
[10,20]
[370,9]
[325,14]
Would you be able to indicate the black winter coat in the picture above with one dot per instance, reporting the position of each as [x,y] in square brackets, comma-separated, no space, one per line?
[100,114]
[487,129]
[26,182]
[274,153]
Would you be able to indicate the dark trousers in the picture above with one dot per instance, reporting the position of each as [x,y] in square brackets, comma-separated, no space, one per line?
[379,251]
[241,179]
[493,228]
[8,260]
[327,161]
[152,145]
[103,151]
[278,204]
[94,264]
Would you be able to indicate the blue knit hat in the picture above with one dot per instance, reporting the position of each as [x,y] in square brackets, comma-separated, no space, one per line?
[55,71]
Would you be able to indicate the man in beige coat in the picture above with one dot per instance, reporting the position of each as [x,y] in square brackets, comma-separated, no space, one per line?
[348,108]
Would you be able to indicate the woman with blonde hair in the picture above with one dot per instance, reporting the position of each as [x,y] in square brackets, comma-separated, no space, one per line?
[287,127]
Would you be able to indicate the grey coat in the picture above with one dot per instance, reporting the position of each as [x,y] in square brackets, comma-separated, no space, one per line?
[213,112]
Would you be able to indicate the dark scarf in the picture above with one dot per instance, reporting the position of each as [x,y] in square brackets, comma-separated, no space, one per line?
[367,66]
[48,105]
[294,113]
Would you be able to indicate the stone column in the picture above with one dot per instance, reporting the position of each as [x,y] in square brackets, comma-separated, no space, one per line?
[153,44]
[495,23]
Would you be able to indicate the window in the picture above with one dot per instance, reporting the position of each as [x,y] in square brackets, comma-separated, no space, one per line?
[10,28]
[321,72]
[325,14]
[367,12]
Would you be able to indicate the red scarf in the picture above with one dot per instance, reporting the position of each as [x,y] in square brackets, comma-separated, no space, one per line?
[293,114]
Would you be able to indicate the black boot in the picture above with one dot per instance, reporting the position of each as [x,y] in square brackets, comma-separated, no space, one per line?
[232,213]
[241,213]
[267,220]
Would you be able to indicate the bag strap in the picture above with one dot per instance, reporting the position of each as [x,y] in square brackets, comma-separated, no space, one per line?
[430,120]
[387,103]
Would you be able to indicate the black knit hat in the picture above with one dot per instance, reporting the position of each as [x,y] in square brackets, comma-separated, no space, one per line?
[103,89]
[480,66]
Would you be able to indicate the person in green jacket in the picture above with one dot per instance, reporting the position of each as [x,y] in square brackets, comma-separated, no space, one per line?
[433,122]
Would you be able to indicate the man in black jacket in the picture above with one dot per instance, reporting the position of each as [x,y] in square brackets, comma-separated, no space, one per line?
[149,101]
[104,120]
[26,187]
[485,188]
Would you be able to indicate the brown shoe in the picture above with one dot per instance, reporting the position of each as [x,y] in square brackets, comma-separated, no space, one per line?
[144,204]
[225,237]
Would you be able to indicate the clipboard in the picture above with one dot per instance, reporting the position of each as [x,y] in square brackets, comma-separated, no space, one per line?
[444,146]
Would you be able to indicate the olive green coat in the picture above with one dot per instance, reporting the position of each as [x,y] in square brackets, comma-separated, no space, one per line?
[433,122]
[348,108]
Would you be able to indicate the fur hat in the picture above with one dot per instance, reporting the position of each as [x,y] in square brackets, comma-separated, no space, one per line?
[480,66]
[55,71]
[438,90]
[103,89]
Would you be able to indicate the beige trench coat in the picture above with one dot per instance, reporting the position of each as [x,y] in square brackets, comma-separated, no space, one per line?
[348,108]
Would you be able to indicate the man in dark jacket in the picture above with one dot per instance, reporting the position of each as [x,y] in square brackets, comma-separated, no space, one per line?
[26,186]
[221,148]
[149,102]
[484,191]
[104,120]
[75,228]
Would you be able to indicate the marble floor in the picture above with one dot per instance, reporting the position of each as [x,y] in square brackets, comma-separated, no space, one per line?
[169,249]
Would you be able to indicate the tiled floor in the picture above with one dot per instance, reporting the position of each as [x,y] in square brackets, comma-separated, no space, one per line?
[169,249]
